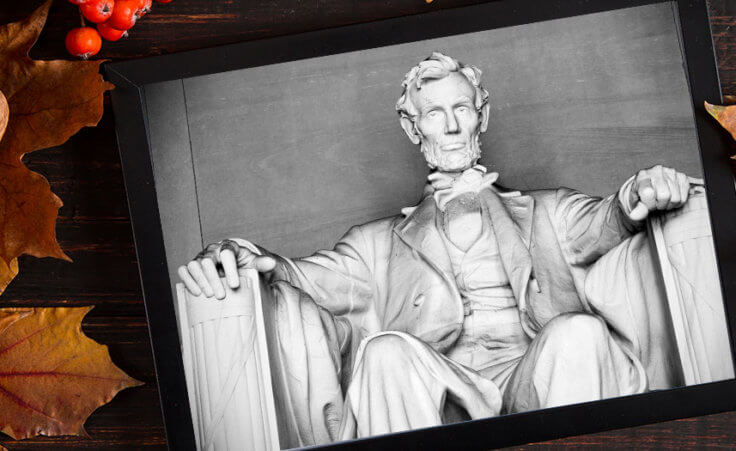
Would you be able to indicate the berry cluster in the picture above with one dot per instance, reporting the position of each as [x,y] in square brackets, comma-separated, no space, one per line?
[113,18]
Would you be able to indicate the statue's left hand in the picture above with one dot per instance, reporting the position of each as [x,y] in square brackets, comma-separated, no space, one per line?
[659,189]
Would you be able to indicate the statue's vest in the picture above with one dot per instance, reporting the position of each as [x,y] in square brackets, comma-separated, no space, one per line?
[423,297]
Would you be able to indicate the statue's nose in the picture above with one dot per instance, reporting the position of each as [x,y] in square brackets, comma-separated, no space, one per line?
[451,125]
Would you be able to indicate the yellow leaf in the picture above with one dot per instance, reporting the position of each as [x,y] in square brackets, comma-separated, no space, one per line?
[52,376]
[8,271]
[725,115]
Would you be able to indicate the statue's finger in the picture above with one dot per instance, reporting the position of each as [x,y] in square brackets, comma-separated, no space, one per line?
[675,194]
[695,181]
[640,212]
[646,193]
[264,263]
[661,192]
[684,182]
[195,269]
[210,272]
[188,281]
[230,244]
[230,267]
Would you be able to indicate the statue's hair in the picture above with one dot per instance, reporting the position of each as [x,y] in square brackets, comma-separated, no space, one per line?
[436,67]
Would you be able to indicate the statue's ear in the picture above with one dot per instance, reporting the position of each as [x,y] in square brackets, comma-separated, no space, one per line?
[485,112]
[408,126]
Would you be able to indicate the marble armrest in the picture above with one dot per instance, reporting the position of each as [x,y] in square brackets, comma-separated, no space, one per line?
[685,251]
[227,367]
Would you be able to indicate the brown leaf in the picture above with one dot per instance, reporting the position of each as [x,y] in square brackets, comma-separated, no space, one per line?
[52,377]
[725,115]
[7,272]
[4,114]
[48,101]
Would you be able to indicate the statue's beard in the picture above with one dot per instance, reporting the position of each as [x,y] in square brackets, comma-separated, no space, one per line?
[454,161]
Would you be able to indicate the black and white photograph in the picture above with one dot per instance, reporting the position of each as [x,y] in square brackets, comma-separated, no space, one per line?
[438,231]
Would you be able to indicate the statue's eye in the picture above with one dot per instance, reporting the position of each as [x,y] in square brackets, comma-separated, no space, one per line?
[462,109]
[434,114]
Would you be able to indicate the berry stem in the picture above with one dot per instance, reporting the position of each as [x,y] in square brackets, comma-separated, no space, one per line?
[81,19]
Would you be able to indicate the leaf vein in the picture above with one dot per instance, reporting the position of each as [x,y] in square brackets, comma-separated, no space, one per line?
[57,374]
[19,401]
[28,337]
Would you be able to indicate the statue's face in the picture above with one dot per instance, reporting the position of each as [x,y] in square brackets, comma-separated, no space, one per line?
[448,123]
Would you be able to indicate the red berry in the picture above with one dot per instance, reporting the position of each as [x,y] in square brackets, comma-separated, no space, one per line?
[78,2]
[124,15]
[109,33]
[164,1]
[83,42]
[97,10]
[144,6]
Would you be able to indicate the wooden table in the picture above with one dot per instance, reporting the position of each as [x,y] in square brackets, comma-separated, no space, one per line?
[94,225]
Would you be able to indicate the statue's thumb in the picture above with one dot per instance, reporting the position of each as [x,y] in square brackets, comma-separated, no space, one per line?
[647,200]
[640,212]
[264,263]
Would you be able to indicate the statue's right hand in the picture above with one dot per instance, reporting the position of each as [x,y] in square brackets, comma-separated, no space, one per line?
[202,274]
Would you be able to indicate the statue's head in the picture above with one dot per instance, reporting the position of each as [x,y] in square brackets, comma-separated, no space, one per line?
[444,108]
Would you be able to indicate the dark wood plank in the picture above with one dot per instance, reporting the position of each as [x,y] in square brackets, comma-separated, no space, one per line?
[94,226]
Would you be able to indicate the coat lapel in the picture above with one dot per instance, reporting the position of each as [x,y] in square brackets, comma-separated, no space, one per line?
[419,230]
[511,217]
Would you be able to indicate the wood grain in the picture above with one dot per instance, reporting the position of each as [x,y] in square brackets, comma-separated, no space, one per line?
[94,225]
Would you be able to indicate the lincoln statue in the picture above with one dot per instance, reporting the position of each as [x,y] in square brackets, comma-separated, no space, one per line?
[469,305]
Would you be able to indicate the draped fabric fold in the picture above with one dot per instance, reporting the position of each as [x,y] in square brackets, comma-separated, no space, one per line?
[624,287]
[308,366]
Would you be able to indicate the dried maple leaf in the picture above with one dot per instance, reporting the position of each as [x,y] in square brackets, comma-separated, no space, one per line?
[48,101]
[8,270]
[52,377]
[725,115]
